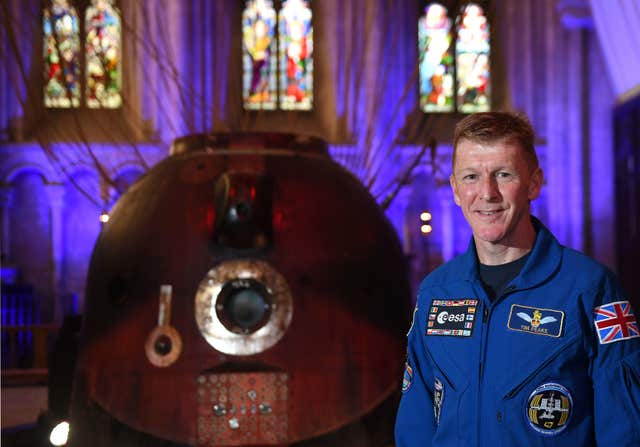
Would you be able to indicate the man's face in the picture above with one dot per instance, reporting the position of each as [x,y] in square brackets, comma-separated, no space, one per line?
[493,184]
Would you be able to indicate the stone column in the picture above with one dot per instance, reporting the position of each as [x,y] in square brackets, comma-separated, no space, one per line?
[602,161]
[447,208]
[402,226]
[575,17]
[5,204]
[55,193]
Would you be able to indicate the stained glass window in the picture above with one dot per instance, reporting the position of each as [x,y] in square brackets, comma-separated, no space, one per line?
[62,68]
[472,60]
[61,55]
[296,55]
[436,60]
[259,55]
[103,49]
[277,55]
[447,83]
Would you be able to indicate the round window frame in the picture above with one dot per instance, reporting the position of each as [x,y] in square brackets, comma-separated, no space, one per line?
[213,328]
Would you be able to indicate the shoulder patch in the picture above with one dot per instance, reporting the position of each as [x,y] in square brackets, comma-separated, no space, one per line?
[438,398]
[413,319]
[407,379]
[615,322]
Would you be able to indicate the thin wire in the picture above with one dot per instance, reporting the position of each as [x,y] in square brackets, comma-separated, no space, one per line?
[45,146]
[396,109]
[170,75]
[404,179]
[368,154]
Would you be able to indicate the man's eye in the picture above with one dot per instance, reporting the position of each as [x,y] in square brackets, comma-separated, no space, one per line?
[470,177]
[504,175]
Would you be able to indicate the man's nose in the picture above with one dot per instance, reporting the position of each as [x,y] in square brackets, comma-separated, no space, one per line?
[489,188]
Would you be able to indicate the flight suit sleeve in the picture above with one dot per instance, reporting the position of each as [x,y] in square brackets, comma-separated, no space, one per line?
[615,369]
[415,421]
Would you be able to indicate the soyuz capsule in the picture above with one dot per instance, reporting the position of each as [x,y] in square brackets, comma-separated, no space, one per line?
[247,290]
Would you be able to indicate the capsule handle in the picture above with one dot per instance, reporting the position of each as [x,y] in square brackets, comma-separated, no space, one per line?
[164,311]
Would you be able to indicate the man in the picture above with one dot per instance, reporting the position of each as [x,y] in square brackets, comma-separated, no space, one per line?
[520,341]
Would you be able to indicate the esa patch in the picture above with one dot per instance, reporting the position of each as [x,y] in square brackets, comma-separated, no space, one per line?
[535,320]
[615,322]
[452,317]
[549,408]
[438,397]
[407,378]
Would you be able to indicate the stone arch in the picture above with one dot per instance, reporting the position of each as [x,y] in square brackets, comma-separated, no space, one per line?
[13,171]
[126,166]
[79,170]
[124,176]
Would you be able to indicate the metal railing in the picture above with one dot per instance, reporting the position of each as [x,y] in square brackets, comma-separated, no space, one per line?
[25,351]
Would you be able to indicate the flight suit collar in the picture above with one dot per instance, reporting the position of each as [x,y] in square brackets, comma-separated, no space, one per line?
[544,260]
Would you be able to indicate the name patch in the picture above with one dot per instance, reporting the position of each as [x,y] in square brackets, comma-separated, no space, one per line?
[535,320]
[452,317]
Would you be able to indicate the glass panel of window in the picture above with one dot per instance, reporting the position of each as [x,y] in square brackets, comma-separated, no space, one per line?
[296,55]
[435,46]
[472,60]
[103,73]
[259,55]
[61,55]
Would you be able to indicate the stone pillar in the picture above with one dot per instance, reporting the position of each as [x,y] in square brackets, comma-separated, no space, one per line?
[5,204]
[602,161]
[555,127]
[403,230]
[574,178]
[447,208]
[108,193]
[575,16]
[55,193]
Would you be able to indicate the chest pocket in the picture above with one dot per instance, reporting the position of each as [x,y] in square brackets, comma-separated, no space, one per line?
[453,367]
[550,399]
[565,360]
[520,353]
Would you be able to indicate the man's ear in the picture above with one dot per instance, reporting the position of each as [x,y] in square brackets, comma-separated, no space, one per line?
[535,183]
[454,188]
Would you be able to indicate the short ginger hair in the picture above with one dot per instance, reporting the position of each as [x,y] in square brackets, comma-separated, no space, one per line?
[490,127]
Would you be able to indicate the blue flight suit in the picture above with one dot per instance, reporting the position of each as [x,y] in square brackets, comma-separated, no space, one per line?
[553,361]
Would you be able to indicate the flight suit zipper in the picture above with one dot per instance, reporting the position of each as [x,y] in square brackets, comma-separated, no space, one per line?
[485,313]
[483,335]
[486,323]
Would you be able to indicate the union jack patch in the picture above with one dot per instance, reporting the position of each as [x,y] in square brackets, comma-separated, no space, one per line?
[615,322]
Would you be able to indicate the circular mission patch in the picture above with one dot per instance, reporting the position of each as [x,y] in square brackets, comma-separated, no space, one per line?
[549,408]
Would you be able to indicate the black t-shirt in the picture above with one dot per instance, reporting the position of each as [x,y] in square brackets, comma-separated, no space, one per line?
[495,278]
